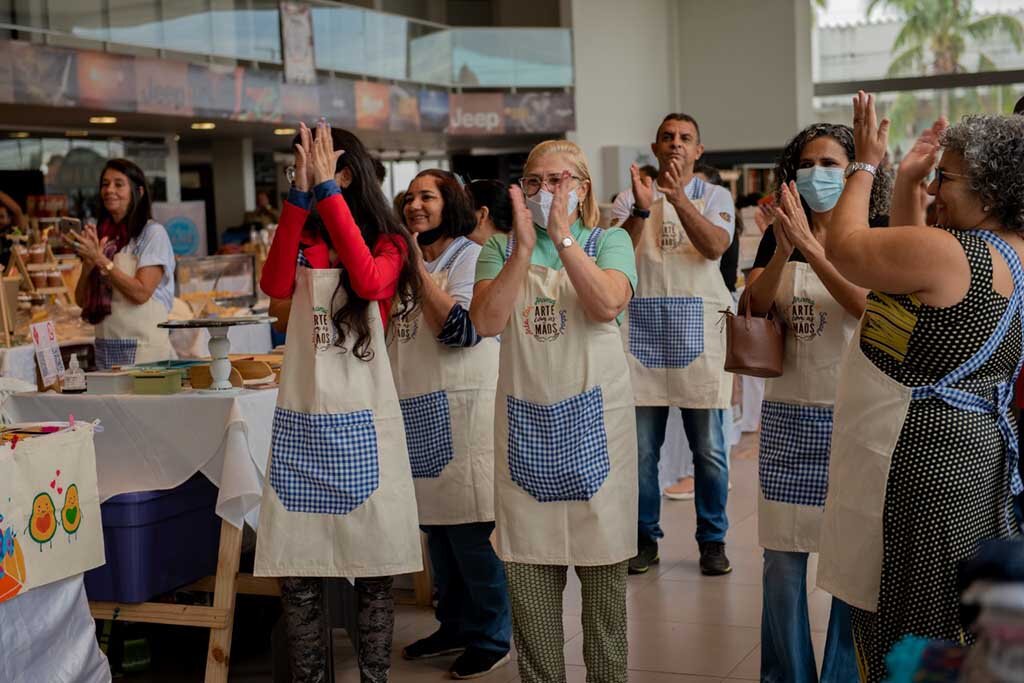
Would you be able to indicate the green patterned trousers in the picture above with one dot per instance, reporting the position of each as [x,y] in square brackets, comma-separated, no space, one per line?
[536,593]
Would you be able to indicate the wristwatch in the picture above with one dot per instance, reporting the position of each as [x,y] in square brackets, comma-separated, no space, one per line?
[860,166]
[641,213]
[565,243]
[107,269]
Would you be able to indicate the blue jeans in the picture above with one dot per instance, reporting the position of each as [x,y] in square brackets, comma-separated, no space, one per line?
[787,655]
[472,602]
[706,433]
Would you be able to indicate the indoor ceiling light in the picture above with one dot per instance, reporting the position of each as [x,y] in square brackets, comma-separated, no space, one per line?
[76,133]
[204,125]
[20,134]
[284,131]
[103,119]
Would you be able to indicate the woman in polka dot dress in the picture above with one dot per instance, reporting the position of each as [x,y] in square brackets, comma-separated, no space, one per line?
[924,455]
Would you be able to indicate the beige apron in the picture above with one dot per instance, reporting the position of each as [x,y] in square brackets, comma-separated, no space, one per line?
[339,499]
[796,416]
[130,335]
[447,399]
[871,408]
[675,347]
[565,472]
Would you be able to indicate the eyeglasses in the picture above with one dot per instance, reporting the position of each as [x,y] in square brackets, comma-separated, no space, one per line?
[532,184]
[941,175]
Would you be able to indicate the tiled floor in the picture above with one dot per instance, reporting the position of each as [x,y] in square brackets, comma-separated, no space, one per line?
[683,627]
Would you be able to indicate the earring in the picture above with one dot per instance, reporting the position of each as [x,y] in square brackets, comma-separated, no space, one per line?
[986,208]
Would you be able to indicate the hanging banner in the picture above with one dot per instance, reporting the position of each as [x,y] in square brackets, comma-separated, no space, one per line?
[215,90]
[539,112]
[476,114]
[50,526]
[300,103]
[261,97]
[185,223]
[106,81]
[433,110]
[161,87]
[44,75]
[405,109]
[338,102]
[372,105]
[297,40]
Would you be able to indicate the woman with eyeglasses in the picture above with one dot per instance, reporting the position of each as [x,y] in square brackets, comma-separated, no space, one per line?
[924,453]
[445,374]
[565,432]
[820,309]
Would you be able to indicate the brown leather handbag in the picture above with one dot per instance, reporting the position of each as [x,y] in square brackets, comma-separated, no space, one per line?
[754,345]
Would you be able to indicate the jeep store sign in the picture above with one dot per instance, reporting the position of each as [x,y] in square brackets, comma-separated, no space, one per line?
[476,114]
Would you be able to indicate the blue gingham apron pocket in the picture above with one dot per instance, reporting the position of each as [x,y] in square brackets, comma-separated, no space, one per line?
[323,463]
[794,452]
[558,452]
[115,352]
[428,433]
[666,332]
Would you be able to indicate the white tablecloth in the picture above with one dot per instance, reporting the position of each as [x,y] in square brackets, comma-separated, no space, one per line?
[194,343]
[158,442]
[47,634]
[20,361]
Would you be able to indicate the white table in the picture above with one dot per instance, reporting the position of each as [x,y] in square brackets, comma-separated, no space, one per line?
[158,442]
[20,361]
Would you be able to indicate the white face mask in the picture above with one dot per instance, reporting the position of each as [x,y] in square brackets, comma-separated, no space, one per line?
[540,206]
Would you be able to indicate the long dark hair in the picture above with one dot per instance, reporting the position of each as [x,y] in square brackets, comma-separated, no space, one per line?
[457,217]
[789,163]
[376,219]
[494,195]
[140,210]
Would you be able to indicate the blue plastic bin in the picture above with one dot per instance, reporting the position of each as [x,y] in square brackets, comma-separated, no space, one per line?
[156,541]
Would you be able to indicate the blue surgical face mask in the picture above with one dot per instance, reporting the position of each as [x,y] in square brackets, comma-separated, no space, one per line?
[820,187]
[540,206]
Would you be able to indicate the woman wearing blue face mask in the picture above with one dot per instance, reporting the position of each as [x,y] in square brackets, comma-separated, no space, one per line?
[565,468]
[821,309]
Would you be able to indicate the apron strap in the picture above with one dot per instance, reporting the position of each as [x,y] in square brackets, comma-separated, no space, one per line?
[590,248]
[455,255]
[509,246]
[964,400]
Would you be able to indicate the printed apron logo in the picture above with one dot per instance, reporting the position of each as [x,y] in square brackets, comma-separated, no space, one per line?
[671,237]
[543,320]
[806,325]
[406,328]
[323,329]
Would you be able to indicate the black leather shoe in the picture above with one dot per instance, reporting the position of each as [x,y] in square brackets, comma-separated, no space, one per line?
[713,561]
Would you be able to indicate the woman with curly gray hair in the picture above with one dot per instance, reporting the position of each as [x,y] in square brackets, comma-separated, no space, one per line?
[820,309]
[924,455]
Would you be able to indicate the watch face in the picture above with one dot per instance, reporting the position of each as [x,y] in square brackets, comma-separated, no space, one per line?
[567,242]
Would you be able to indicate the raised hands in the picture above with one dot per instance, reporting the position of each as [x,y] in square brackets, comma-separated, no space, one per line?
[303,152]
[324,158]
[558,219]
[871,138]
[924,155]
[791,227]
[643,188]
[522,221]
[87,244]
[676,186]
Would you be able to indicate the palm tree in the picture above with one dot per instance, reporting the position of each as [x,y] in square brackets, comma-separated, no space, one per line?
[940,29]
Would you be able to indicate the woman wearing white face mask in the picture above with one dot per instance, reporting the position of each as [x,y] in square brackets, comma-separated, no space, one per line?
[565,434]
[821,309]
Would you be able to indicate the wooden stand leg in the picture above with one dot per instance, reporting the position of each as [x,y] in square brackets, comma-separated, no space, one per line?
[219,654]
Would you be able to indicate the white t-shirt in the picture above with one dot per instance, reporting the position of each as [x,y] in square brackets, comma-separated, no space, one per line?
[462,275]
[719,208]
[153,248]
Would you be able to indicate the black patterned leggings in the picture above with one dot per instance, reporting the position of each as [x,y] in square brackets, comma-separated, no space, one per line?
[308,636]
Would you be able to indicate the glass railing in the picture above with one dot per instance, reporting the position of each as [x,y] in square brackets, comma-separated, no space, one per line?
[346,39]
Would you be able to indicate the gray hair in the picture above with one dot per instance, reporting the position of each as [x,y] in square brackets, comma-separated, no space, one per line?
[993,150]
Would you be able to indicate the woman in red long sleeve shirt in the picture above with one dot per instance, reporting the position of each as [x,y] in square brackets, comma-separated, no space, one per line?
[339,499]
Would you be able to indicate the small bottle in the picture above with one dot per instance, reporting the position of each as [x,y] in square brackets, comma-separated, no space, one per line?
[74,378]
